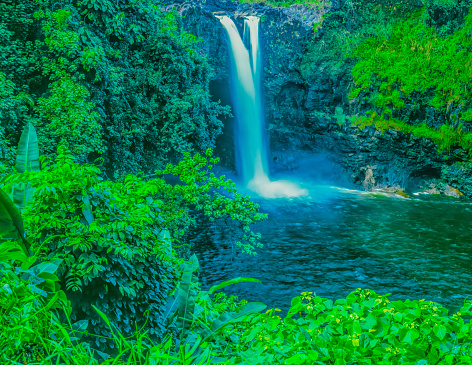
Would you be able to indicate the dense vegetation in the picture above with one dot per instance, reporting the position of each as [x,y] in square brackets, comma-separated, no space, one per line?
[114,79]
[410,65]
[317,4]
[90,267]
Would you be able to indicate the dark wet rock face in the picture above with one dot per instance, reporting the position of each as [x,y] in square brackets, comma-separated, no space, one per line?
[308,115]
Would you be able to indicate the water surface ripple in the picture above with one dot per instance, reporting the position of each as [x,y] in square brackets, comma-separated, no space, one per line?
[337,241]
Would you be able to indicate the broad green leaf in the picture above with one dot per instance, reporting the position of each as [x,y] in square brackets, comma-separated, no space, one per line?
[10,251]
[356,328]
[230,282]
[47,267]
[411,336]
[425,328]
[296,359]
[11,223]
[22,194]
[101,314]
[186,297]
[171,306]
[87,210]
[165,235]
[328,304]
[27,158]
[227,318]
[439,331]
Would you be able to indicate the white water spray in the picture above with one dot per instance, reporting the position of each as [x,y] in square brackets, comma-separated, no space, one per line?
[246,74]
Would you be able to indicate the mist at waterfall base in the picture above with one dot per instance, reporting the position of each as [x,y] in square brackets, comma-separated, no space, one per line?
[247,107]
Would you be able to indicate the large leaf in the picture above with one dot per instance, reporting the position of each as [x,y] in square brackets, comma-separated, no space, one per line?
[87,210]
[10,250]
[230,282]
[165,235]
[226,318]
[11,223]
[44,274]
[22,194]
[27,158]
[78,328]
[187,296]
[170,308]
[49,267]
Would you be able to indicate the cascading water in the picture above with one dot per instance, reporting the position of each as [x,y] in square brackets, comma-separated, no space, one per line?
[246,75]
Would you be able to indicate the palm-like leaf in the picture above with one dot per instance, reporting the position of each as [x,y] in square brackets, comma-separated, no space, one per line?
[11,223]
[230,282]
[227,318]
[186,297]
[27,158]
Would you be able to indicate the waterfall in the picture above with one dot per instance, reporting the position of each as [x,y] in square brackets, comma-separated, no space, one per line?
[246,65]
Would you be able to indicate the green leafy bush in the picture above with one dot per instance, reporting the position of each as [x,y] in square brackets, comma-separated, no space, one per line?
[123,75]
[364,328]
[418,81]
[113,236]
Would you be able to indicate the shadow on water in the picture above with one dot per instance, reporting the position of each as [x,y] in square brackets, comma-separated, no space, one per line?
[337,240]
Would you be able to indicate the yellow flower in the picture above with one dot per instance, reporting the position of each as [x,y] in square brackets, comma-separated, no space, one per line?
[435,308]
[338,320]
[355,342]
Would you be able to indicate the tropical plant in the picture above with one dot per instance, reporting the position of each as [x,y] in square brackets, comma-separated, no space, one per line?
[416,81]
[195,320]
[364,328]
[114,237]
[130,88]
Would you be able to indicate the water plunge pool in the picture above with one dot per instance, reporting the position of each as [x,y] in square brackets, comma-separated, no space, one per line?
[337,240]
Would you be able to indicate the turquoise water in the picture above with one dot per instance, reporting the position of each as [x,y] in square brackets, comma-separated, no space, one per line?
[337,240]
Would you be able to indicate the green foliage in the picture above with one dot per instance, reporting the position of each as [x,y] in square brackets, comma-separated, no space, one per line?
[11,223]
[364,328]
[287,3]
[11,107]
[192,310]
[414,69]
[120,252]
[27,159]
[29,292]
[204,191]
[67,115]
[113,236]
[132,83]
[339,115]
[346,28]
[7,154]
[445,136]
